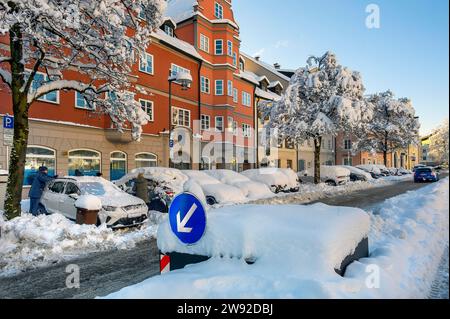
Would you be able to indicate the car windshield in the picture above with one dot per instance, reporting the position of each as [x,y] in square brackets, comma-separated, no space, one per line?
[98,189]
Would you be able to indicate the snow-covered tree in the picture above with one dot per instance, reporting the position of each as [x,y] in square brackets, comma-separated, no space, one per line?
[439,150]
[98,39]
[323,98]
[393,126]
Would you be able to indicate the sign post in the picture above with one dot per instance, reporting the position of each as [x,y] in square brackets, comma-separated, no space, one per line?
[8,135]
[187,218]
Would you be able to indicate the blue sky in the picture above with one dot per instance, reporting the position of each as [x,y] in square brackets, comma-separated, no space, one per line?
[407,54]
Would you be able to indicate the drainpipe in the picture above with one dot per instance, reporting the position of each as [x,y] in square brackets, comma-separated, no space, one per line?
[200,112]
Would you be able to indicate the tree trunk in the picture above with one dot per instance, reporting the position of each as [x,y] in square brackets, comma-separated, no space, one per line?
[385,151]
[317,149]
[20,111]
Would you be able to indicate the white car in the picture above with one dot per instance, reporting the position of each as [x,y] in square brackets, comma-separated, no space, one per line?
[293,180]
[119,209]
[331,175]
[273,178]
[251,189]
[357,174]
[215,191]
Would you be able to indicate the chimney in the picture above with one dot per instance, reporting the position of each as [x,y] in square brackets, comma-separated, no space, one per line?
[277,66]
[257,58]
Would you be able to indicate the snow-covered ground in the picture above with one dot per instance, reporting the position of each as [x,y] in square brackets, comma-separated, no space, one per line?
[408,237]
[29,242]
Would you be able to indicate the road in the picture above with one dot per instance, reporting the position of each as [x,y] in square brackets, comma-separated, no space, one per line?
[107,272]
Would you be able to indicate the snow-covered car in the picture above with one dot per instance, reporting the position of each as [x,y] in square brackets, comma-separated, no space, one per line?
[371,169]
[163,185]
[250,189]
[215,191]
[273,178]
[119,209]
[309,238]
[293,180]
[384,170]
[357,174]
[331,175]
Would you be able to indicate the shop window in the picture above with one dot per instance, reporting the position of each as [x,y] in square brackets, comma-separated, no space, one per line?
[36,157]
[118,165]
[84,162]
[146,160]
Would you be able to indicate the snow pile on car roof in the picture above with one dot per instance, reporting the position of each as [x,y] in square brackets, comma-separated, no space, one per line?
[319,235]
[333,171]
[29,242]
[267,176]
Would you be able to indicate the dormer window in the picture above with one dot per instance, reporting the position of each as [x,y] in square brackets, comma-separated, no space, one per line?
[168,30]
[218,11]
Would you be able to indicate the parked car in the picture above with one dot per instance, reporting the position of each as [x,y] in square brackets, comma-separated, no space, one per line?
[372,170]
[119,209]
[426,174]
[163,185]
[357,174]
[293,179]
[250,189]
[331,175]
[273,178]
[215,191]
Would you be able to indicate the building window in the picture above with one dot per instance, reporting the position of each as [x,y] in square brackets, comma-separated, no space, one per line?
[176,69]
[39,80]
[347,145]
[230,88]
[348,161]
[246,130]
[86,162]
[181,117]
[118,165]
[230,123]
[81,103]
[230,48]
[219,87]
[330,145]
[146,160]
[169,30]
[289,164]
[290,144]
[36,157]
[204,43]
[218,47]
[218,11]
[235,127]
[146,63]
[301,165]
[204,85]
[147,107]
[246,99]
[235,96]
[219,123]
[241,66]
[205,122]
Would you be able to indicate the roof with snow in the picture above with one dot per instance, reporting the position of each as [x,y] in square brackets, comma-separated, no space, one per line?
[177,43]
[268,95]
[266,66]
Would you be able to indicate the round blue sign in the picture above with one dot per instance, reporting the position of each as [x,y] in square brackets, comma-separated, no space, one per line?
[187,218]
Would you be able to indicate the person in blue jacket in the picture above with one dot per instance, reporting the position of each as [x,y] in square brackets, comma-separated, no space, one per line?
[37,188]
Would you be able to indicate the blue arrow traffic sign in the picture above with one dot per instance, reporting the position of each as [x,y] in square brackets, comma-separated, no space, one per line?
[187,218]
[8,122]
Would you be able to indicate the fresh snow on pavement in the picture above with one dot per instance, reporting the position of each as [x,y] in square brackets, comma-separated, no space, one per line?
[408,237]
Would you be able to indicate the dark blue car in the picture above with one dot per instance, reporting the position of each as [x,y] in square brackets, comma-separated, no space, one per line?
[426,174]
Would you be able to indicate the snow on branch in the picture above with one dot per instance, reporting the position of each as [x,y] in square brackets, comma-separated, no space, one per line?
[5,76]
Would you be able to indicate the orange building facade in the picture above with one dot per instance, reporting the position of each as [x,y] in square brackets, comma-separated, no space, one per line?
[214,118]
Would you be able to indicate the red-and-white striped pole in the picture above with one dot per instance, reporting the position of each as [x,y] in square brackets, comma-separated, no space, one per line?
[164,263]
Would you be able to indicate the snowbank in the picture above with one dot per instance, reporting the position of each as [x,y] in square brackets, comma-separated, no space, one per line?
[408,235]
[29,242]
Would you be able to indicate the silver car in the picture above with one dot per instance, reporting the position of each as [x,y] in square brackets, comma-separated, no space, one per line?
[119,209]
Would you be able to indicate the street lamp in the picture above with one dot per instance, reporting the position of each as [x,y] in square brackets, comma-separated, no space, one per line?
[185,80]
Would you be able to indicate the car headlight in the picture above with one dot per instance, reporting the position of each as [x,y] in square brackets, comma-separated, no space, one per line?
[109,208]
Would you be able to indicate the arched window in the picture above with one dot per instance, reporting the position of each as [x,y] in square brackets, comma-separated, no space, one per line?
[36,157]
[118,165]
[84,162]
[146,160]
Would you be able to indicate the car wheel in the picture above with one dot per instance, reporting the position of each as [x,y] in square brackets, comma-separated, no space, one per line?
[211,200]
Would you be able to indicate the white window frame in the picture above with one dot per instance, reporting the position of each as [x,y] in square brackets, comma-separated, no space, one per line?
[169,30]
[143,68]
[235,95]
[216,86]
[246,130]
[234,59]
[152,104]
[221,46]
[204,43]
[205,85]
[42,98]
[230,88]
[178,69]
[178,109]
[86,106]
[203,120]
[218,10]
[221,121]
[235,128]
[246,99]
[230,48]
[146,160]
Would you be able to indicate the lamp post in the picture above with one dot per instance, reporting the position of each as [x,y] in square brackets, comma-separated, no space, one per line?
[185,80]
